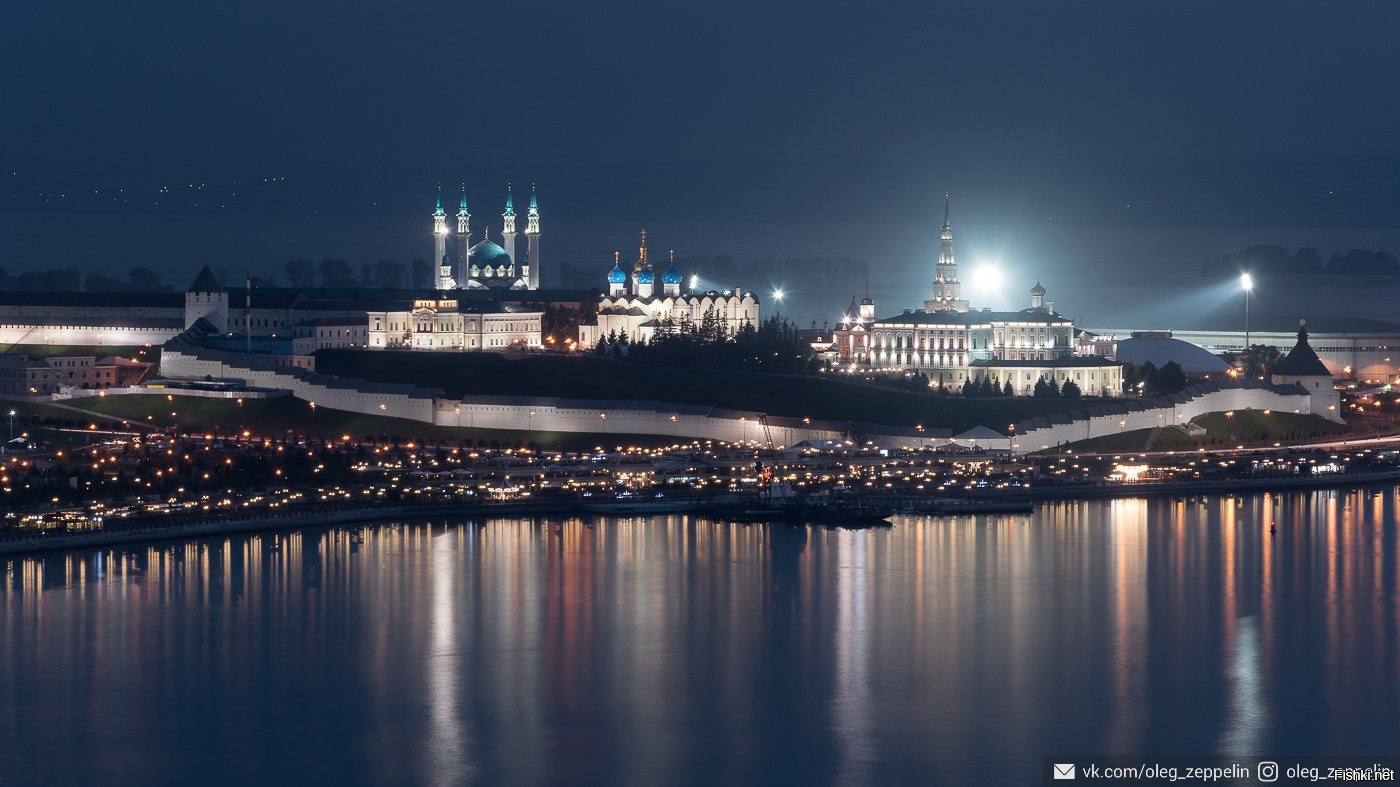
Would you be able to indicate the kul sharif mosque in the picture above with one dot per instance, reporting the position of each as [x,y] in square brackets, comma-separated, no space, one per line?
[487,264]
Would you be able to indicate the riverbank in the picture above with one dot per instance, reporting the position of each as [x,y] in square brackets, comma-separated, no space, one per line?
[1004,501]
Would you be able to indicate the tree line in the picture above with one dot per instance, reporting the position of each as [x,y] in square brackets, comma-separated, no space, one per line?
[138,279]
[772,346]
[1262,259]
[340,274]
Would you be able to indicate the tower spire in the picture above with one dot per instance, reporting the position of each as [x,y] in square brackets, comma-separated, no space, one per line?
[947,290]
[438,211]
[643,258]
[464,238]
[531,270]
[508,227]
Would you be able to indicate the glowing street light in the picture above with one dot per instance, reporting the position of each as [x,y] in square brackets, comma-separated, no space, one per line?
[1247,284]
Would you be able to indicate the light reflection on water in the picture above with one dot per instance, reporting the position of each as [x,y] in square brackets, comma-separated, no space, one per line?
[667,650]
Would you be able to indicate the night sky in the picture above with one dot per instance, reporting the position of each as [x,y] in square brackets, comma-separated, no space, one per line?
[1077,139]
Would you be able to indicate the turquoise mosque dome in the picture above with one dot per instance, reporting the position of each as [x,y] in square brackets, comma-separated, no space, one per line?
[488,255]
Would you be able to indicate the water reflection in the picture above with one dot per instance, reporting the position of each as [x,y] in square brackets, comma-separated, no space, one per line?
[666,650]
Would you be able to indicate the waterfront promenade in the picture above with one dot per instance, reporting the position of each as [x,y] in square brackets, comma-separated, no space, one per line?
[178,526]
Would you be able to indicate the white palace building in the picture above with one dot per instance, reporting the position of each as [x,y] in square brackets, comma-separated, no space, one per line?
[952,343]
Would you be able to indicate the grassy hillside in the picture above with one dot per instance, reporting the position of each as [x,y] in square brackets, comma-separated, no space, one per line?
[1245,427]
[151,354]
[590,377]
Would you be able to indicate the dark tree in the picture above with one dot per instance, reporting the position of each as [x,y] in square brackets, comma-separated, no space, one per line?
[336,273]
[300,273]
[55,280]
[101,282]
[1070,390]
[422,274]
[1257,359]
[1363,262]
[1170,379]
[144,279]
[1008,389]
[389,274]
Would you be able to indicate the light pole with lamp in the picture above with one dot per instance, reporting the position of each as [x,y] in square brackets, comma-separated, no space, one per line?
[1247,283]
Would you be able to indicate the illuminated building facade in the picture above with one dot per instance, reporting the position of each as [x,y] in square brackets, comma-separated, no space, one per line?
[637,312]
[487,263]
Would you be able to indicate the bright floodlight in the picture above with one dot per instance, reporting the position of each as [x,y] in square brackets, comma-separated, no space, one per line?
[1246,281]
[694,282]
[777,295]
[986,277]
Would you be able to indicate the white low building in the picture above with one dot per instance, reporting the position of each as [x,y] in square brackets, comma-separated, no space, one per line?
[441,322]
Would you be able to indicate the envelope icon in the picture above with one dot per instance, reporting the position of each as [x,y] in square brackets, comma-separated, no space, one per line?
[1064,770]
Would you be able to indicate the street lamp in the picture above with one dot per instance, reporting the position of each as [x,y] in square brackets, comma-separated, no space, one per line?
[1247,284]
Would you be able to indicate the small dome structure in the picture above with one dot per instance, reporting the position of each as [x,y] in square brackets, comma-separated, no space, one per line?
[646,276]
[1037,289]
[618,276]
[671,276]
[1162,350]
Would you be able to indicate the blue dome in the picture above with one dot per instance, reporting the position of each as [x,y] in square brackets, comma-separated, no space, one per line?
[617,276]
[646,276]
[671,276]
[488,255]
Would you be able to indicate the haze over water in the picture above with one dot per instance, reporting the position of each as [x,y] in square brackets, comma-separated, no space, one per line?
[666,650]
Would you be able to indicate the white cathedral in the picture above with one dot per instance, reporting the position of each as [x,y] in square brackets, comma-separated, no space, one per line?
[487,264]
[637,312]
[953,344]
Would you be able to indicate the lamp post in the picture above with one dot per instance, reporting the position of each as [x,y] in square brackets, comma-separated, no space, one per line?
[1246,283]
[12,425]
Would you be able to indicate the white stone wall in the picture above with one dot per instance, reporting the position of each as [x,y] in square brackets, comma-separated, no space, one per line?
[644,418]
[14,332]
[627,418]
[1214,402]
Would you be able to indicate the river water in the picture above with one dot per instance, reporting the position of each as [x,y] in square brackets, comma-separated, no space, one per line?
[672,651]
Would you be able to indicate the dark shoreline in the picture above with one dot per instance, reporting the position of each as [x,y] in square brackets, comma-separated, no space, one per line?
[53,541]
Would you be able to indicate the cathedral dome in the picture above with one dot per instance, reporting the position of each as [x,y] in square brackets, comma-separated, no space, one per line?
[1037,289]
[488,255]
[671,276]
[646,276]
[617,276]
